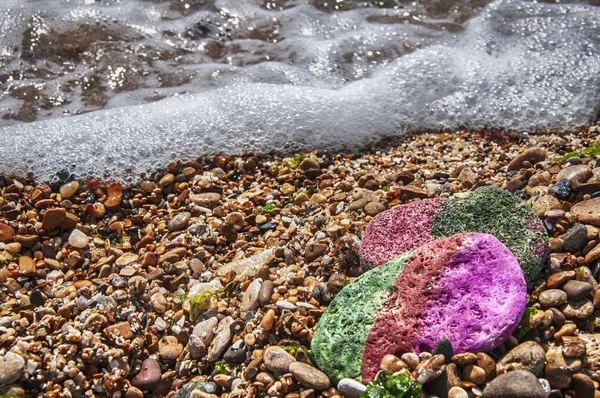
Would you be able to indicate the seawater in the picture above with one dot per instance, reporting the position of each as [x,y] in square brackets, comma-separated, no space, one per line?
[113,89]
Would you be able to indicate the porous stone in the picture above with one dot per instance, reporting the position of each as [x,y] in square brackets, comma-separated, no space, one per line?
[518,383]
[486,210]
[466,285]
[592,344]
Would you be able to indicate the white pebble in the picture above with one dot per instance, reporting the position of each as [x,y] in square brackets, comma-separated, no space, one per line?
[286,305]
[78,239]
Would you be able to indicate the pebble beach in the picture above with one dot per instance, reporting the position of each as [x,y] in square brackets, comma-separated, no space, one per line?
[209,278]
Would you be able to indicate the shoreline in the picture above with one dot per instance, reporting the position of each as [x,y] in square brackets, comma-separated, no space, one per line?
[103,300]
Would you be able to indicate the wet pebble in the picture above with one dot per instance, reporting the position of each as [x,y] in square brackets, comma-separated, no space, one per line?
[575,239]
[529,356]
[562,189]
[179,222]
[457,392]
[67,190]
[578,309]
[552,297]
[583,385]
[576,290]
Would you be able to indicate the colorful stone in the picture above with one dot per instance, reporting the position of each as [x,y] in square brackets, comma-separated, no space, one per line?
[468,288]
[487,210]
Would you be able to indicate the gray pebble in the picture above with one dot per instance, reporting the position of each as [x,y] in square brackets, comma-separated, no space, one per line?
[576,290]
[351,388]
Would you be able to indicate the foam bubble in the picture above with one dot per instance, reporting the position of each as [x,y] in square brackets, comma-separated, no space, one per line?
[516,65]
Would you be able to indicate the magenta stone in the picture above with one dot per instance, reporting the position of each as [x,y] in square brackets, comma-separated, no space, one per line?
[468,288]
[398,230]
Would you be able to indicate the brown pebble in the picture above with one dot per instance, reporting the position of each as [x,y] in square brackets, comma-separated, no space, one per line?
[309,376]
[134,392]
[392,363]
[114,194]
[474,374]
[465,358]
[411,359]
[277,359]
[558,279]
[26,240]
[573,347]
[26,266]
[568,329]
[52,218]
[169,348]
[487,363]
[268,320]
[583,385]
[532,155]
[266,290]
[6,233]
[578,309]
[122,329]
[374,208]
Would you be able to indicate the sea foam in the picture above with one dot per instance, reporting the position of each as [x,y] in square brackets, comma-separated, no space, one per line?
[516,65]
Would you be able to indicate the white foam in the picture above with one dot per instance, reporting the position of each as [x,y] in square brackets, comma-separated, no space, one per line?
[517,65]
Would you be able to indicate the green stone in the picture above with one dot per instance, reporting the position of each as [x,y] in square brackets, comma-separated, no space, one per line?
[502,214]
[340,336]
